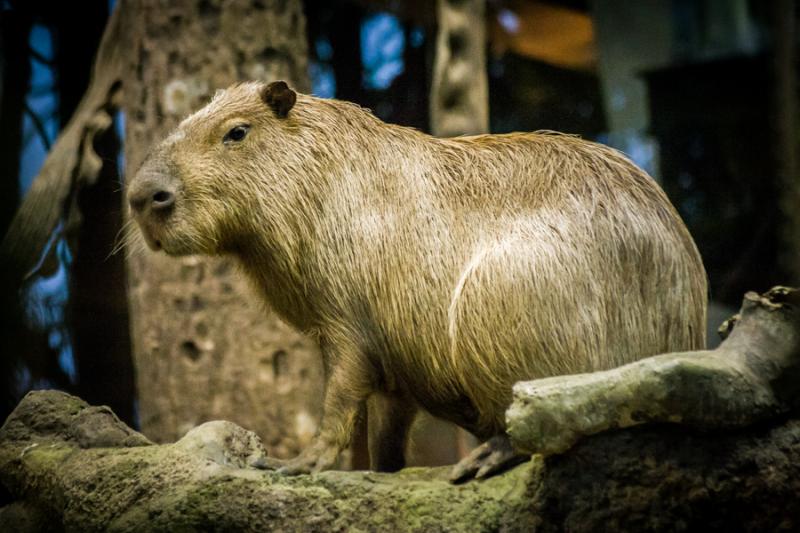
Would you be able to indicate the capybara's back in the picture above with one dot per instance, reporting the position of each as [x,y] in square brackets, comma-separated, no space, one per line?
[578,264]
[473,263]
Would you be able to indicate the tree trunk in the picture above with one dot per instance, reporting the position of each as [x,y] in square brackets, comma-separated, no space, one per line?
[204,348]
[460,88]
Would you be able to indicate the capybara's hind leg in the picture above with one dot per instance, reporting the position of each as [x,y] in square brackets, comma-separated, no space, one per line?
[388,419]
[493,456]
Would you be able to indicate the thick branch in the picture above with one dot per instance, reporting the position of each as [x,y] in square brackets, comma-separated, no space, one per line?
[70,466]
[752,375]
[50,457]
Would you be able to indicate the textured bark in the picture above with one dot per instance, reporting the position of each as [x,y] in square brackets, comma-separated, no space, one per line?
[459,90]
[750,377]
[203,347]
[70,466]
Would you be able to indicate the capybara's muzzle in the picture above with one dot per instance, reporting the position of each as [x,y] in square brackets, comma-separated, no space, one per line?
[151,193]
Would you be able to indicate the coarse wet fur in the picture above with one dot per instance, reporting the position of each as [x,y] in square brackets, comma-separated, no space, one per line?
[436,273]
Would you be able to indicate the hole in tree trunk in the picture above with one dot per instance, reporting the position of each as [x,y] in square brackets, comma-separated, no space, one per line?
[191,350]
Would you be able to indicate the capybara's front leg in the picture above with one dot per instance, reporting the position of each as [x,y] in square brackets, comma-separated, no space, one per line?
[349,384]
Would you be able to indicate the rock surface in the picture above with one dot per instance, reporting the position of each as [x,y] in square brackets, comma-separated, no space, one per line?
[59,476]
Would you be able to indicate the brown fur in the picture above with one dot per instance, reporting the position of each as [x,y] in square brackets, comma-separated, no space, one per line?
[435,272]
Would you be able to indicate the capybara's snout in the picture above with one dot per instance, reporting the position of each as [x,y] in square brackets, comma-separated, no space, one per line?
[152,197]
[151,193]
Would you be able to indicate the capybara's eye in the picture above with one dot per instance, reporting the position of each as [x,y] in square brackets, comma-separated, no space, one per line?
[236,134]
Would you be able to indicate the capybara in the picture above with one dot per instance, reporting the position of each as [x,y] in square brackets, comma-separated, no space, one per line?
[435,273]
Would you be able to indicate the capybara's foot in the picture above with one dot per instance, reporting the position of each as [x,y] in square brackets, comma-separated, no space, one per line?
[268,463]
[493,456]
[316,458]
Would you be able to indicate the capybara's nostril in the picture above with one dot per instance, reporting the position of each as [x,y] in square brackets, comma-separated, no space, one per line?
[163,200]
[151,198]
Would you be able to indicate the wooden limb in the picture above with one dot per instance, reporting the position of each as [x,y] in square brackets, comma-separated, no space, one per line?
[752,375]
[65,465]
[71,164]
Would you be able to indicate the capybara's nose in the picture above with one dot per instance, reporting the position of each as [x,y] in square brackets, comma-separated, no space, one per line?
[152,197]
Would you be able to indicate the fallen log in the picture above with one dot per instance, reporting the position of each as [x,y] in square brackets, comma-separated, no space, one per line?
[733,461]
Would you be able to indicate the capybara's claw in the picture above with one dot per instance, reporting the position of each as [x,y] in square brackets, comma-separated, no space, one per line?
[268,463]
[318,457]
[493,456]
[296,467]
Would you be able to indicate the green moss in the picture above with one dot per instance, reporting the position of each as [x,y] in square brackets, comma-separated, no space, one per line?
[46,457]
[412,500]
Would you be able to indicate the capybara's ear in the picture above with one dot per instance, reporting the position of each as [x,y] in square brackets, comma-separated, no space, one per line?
[279,97]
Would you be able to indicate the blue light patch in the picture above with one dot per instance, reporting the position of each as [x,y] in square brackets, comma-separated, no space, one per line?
[382,46]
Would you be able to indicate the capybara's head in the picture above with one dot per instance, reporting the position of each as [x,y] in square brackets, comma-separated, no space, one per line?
[197,191]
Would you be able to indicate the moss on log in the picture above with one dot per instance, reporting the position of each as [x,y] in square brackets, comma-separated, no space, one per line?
[732,464]
[661,477]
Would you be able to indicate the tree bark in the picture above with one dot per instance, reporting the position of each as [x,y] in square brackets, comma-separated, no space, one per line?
[68,466]
[721,451]
[203,347]
[459,90]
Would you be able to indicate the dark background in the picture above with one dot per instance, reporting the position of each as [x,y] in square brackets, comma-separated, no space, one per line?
[691,90]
